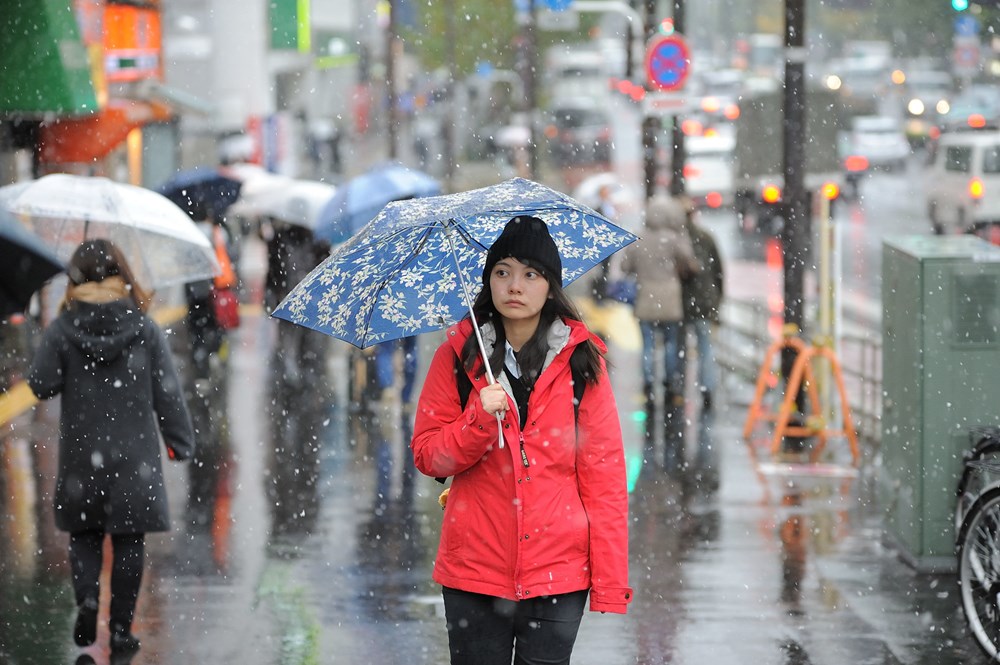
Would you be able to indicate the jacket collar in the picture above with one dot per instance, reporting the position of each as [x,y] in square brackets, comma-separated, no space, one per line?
[562,334]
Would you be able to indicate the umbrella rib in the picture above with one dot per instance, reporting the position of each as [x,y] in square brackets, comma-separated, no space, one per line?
[413,255]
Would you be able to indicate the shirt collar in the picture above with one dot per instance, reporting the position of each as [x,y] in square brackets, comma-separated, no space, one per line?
[510,360]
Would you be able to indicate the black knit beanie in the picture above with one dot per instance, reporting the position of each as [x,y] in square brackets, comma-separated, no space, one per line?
[525,238]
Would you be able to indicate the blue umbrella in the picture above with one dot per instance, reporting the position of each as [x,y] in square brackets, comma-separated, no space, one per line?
[406,271]
[357,202]
[202,192]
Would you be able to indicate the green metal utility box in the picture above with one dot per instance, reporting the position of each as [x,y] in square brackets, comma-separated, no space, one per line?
[940,376]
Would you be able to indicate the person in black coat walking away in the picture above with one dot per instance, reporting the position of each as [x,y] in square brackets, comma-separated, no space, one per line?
[702,294]
[120,392]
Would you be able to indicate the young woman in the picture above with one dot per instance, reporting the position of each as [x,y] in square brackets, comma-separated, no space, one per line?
[120,391]
[530,528]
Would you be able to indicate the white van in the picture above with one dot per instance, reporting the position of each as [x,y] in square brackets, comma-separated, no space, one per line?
[963,182]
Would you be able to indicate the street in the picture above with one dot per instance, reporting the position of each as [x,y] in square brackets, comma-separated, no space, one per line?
[228,146]
[305,537]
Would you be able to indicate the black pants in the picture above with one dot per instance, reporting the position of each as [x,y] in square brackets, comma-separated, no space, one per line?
[485,630]
[86,549]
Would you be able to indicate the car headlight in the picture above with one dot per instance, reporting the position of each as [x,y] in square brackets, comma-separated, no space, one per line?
[943,106]
[915,107]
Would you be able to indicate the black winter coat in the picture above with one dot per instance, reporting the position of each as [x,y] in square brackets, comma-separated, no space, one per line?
[120,391]
[703,290]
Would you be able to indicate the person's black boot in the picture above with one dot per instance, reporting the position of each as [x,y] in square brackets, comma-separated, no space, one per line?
[123,641]
[85,630]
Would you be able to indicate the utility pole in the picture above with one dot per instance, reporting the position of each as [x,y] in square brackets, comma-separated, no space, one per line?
[796,203]
[650,122]
[448,136]
[390,77]
[526,65]
[677,133]
[531,34]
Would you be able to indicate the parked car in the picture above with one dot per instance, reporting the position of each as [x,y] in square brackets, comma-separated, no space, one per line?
[879,140]
[976,107]
[579,132]
[708,171]
[872,142]
[963,181]
[927,99]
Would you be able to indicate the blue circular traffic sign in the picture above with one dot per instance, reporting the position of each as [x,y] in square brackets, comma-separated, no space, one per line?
[668,62]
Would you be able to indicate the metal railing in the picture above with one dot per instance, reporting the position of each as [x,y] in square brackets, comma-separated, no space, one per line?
[748,327]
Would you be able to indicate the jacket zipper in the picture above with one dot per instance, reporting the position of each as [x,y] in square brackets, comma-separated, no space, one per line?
[524,455]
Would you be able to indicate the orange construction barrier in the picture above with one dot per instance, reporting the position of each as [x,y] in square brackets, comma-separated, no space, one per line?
[802,371]
[757,411]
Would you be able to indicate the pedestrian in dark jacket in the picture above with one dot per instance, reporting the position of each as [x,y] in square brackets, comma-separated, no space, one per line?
[702,292]
[532,526]
[120,392]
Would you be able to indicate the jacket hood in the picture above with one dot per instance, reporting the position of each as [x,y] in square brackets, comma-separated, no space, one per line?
[102,331]
[663,212]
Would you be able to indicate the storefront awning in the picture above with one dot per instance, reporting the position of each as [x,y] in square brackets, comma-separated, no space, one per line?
[44,66]
[82,140]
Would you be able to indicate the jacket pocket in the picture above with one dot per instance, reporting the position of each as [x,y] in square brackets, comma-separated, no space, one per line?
[454,525]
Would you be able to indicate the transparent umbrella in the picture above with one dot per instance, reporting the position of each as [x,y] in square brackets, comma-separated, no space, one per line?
[294,201]
[161,243]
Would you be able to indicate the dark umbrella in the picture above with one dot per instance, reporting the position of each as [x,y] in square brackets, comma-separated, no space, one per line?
[202,192]
[26,263]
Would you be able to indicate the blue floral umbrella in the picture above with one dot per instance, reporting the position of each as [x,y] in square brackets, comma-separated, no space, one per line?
[357,202]
[407,271]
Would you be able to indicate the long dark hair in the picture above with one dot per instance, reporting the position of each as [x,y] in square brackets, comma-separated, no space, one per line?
[97,259]
[532,355]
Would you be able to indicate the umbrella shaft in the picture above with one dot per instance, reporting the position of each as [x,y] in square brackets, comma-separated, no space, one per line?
[475,324]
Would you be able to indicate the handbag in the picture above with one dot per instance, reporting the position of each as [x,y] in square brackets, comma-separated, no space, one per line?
[224,301]
[226,306]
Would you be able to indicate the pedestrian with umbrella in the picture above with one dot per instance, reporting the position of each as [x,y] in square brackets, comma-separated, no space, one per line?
[120,392]
[551,515]
[562,496]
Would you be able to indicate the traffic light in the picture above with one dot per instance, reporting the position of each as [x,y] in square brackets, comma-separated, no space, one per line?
[959,5]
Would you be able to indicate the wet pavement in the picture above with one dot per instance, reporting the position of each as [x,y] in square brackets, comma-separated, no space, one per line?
[302,535]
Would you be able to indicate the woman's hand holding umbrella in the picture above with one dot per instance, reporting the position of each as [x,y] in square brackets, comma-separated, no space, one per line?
[494,399]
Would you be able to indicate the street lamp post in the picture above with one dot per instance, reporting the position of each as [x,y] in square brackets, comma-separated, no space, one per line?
[390,77]
[677,187]
[796,204]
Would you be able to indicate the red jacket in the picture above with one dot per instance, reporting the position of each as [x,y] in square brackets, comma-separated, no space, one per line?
[557,526]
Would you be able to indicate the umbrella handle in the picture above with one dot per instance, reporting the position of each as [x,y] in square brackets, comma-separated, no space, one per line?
[475,325]
[486,362]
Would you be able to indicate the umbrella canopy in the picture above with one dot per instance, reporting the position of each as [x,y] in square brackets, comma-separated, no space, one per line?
[360,199]
[162,244]
[297,202]
[26,263]
[202,192]
[406,272]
